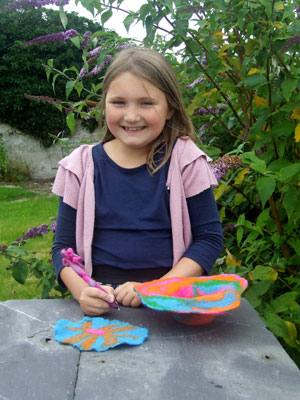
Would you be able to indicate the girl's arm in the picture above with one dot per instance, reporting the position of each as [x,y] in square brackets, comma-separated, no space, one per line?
[207,235]
[92,301]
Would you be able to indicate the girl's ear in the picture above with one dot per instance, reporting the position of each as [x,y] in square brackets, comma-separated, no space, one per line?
[170,114]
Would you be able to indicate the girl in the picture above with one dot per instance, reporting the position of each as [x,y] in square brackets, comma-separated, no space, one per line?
[139,205]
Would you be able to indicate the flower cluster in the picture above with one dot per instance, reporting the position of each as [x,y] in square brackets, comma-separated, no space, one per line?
[198,80]
[31,234]
[53,227]
[57,37]
[224,164]
[28,4]
[43,99]
[210,110]
[96,69]
[86,39]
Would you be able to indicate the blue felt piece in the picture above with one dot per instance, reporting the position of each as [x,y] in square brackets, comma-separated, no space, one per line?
[98,334]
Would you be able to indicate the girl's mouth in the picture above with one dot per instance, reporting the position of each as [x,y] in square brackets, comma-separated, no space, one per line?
[133,129]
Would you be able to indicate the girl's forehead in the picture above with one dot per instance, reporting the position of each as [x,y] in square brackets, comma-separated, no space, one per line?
[126,81]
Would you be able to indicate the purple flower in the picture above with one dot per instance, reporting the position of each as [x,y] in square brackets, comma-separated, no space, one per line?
[224,164]
[53,227]
[57,37]
[43,99]
[96,69]
[209,110]
[86,40]
[95,52]
[36,231]
[198,80]
[203,111]
[203,128]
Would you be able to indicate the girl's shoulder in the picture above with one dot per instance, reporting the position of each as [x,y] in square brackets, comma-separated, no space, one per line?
[186,151]
[78,157]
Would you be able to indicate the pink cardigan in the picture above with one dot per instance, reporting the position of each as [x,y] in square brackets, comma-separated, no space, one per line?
[189,174]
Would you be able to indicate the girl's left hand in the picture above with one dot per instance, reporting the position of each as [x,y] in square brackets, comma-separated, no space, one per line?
[126,296]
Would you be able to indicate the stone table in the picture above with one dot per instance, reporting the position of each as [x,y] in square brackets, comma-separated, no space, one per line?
[234,357]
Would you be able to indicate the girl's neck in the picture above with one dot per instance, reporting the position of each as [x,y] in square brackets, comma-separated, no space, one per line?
[123,156]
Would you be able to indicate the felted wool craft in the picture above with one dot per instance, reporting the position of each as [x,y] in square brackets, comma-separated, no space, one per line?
[98,334]
[204,295]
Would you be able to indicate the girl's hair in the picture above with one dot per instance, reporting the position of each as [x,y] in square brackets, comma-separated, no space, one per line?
[154,68]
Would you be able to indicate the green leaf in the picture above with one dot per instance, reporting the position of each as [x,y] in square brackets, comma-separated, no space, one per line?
[88,5]
[149,24]
[106,16]
[255,81]
[63,16]
[69,87]
[281,129]
[262,273]
[283,303]
[221,5]
[239,234]
[212,20]
[127,22]
[290,201]
[268,7]
[265,187]
[17,251]
[254,162]
[145,10]
[286,173]
[254,293]
[20,271]
[288,86]
[241,17]
[276,325]
[79,88]
[71,122]
[76,41]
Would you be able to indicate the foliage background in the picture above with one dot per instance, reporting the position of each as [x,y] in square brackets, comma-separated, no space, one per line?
[22,71]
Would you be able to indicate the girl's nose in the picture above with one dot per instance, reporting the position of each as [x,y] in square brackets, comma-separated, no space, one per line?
[132,115]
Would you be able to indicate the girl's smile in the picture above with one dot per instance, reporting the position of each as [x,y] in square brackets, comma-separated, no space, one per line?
[136,111]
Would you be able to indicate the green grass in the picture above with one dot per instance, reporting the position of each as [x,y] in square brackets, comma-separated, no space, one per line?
[19,211]
[15,193]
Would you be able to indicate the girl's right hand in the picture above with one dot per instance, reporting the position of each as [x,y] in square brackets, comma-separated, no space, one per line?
[94,302]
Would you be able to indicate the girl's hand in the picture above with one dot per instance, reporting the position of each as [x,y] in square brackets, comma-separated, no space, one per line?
[93,301]
[126,296]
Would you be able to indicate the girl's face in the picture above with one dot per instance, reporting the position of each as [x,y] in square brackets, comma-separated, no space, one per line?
[136,111]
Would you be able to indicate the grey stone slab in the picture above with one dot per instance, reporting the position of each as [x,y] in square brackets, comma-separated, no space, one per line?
[235,357]
[32,365]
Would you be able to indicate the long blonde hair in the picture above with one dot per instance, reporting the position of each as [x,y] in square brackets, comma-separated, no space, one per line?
[154,68]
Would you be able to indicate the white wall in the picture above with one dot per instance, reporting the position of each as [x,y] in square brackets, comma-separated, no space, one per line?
[42,162]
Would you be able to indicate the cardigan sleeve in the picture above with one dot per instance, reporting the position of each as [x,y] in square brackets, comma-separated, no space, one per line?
[66,185]
[198,176]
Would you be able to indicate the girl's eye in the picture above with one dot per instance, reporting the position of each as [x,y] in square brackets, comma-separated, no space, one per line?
[147,103]
[118,102]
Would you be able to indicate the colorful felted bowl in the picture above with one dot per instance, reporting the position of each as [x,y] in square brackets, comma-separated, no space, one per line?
[194,300]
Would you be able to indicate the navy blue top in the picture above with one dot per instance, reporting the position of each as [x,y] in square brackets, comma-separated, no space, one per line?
[132,221]
[132,217]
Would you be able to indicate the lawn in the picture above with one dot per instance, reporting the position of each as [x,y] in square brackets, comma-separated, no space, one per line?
[20,210]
